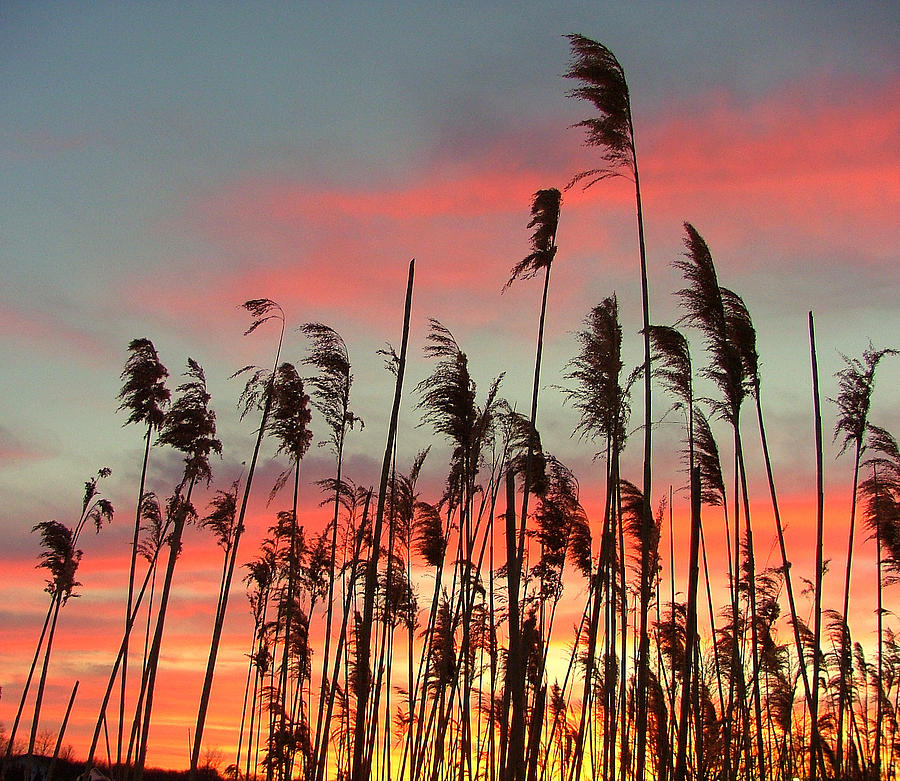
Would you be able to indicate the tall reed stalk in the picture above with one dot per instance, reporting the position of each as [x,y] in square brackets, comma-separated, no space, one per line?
[603,84]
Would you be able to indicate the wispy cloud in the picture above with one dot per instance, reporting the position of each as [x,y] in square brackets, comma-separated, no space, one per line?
[44,330]
[14,450]
[41,144]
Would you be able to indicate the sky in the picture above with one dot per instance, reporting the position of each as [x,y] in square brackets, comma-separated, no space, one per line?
[162,163]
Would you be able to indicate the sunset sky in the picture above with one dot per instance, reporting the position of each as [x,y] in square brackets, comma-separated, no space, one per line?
[163,162]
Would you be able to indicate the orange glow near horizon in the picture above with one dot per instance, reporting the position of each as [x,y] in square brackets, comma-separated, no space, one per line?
[86,643]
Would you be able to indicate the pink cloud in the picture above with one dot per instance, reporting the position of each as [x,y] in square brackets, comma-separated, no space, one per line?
[13,450]
[42,144]
[804,171]
[813,172]
[792,178]
[41,329]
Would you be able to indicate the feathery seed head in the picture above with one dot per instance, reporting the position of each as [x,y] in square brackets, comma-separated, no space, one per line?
[595,389]
[60,557]
[221,516]
[603,84]
[262,310]
[673,358]
[545,221]
[144,394]
[856,382]
[190,425]
[723,319]
[331,385]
